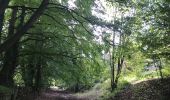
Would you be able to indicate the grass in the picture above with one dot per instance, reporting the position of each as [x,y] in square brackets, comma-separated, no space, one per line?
[128,79]
[106,89]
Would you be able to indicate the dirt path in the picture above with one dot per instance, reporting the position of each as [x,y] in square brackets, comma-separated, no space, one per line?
[57,95]
[63,95]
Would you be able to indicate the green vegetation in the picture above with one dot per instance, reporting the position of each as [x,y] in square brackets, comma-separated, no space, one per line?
[86,47]
[5,90]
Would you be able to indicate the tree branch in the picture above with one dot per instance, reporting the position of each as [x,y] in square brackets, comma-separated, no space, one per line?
[16,37]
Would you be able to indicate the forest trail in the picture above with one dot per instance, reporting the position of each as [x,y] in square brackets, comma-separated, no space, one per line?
[151,89]
[53,94]
[57,95]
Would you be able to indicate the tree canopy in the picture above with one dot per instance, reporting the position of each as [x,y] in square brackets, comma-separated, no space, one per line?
[75,44]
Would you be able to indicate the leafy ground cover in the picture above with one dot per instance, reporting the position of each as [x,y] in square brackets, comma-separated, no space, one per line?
[155,89]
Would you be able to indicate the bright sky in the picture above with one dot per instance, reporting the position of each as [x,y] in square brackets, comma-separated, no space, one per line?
[71,4]
[108,13]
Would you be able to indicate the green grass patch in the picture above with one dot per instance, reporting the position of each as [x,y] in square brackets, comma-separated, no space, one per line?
[106,88]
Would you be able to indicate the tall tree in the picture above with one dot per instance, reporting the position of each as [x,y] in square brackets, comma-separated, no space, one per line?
[19,33]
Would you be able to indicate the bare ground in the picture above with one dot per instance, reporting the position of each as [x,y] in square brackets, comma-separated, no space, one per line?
[64,95]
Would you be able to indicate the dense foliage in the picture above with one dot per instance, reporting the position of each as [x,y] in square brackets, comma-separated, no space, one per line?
[75,44]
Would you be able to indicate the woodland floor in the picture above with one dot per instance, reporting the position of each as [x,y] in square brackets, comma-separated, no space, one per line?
[63,95]
[154,89]
[57,95]
[52,94]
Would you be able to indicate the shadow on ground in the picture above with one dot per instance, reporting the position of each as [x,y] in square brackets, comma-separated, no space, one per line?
[155,89]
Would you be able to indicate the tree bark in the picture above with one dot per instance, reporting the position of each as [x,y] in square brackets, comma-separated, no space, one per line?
[38,76]
[14,38]
[120,64]
[112,63]
[160,68]
[10,61]
[113,85]
[3,6]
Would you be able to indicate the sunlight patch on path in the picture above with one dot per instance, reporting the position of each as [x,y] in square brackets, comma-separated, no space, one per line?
[93,94]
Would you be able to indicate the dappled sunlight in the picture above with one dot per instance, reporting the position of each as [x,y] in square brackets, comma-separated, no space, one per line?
[84,49]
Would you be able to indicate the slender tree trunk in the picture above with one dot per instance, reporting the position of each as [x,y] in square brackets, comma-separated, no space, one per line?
[38,76]
[113,84]
[155,61]
[112,64]
[112,72]
[39,64]
[120,65]
[160,68]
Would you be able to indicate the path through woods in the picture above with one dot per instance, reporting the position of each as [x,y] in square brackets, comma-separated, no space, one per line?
[57,95]
[64,95]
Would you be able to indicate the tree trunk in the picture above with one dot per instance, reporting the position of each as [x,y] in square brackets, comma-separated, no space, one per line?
[3,6]
[10,61]
[160,68]
[155,61]
[15,37]
[113,85]
[38,76]
[120,64]
[112,63]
